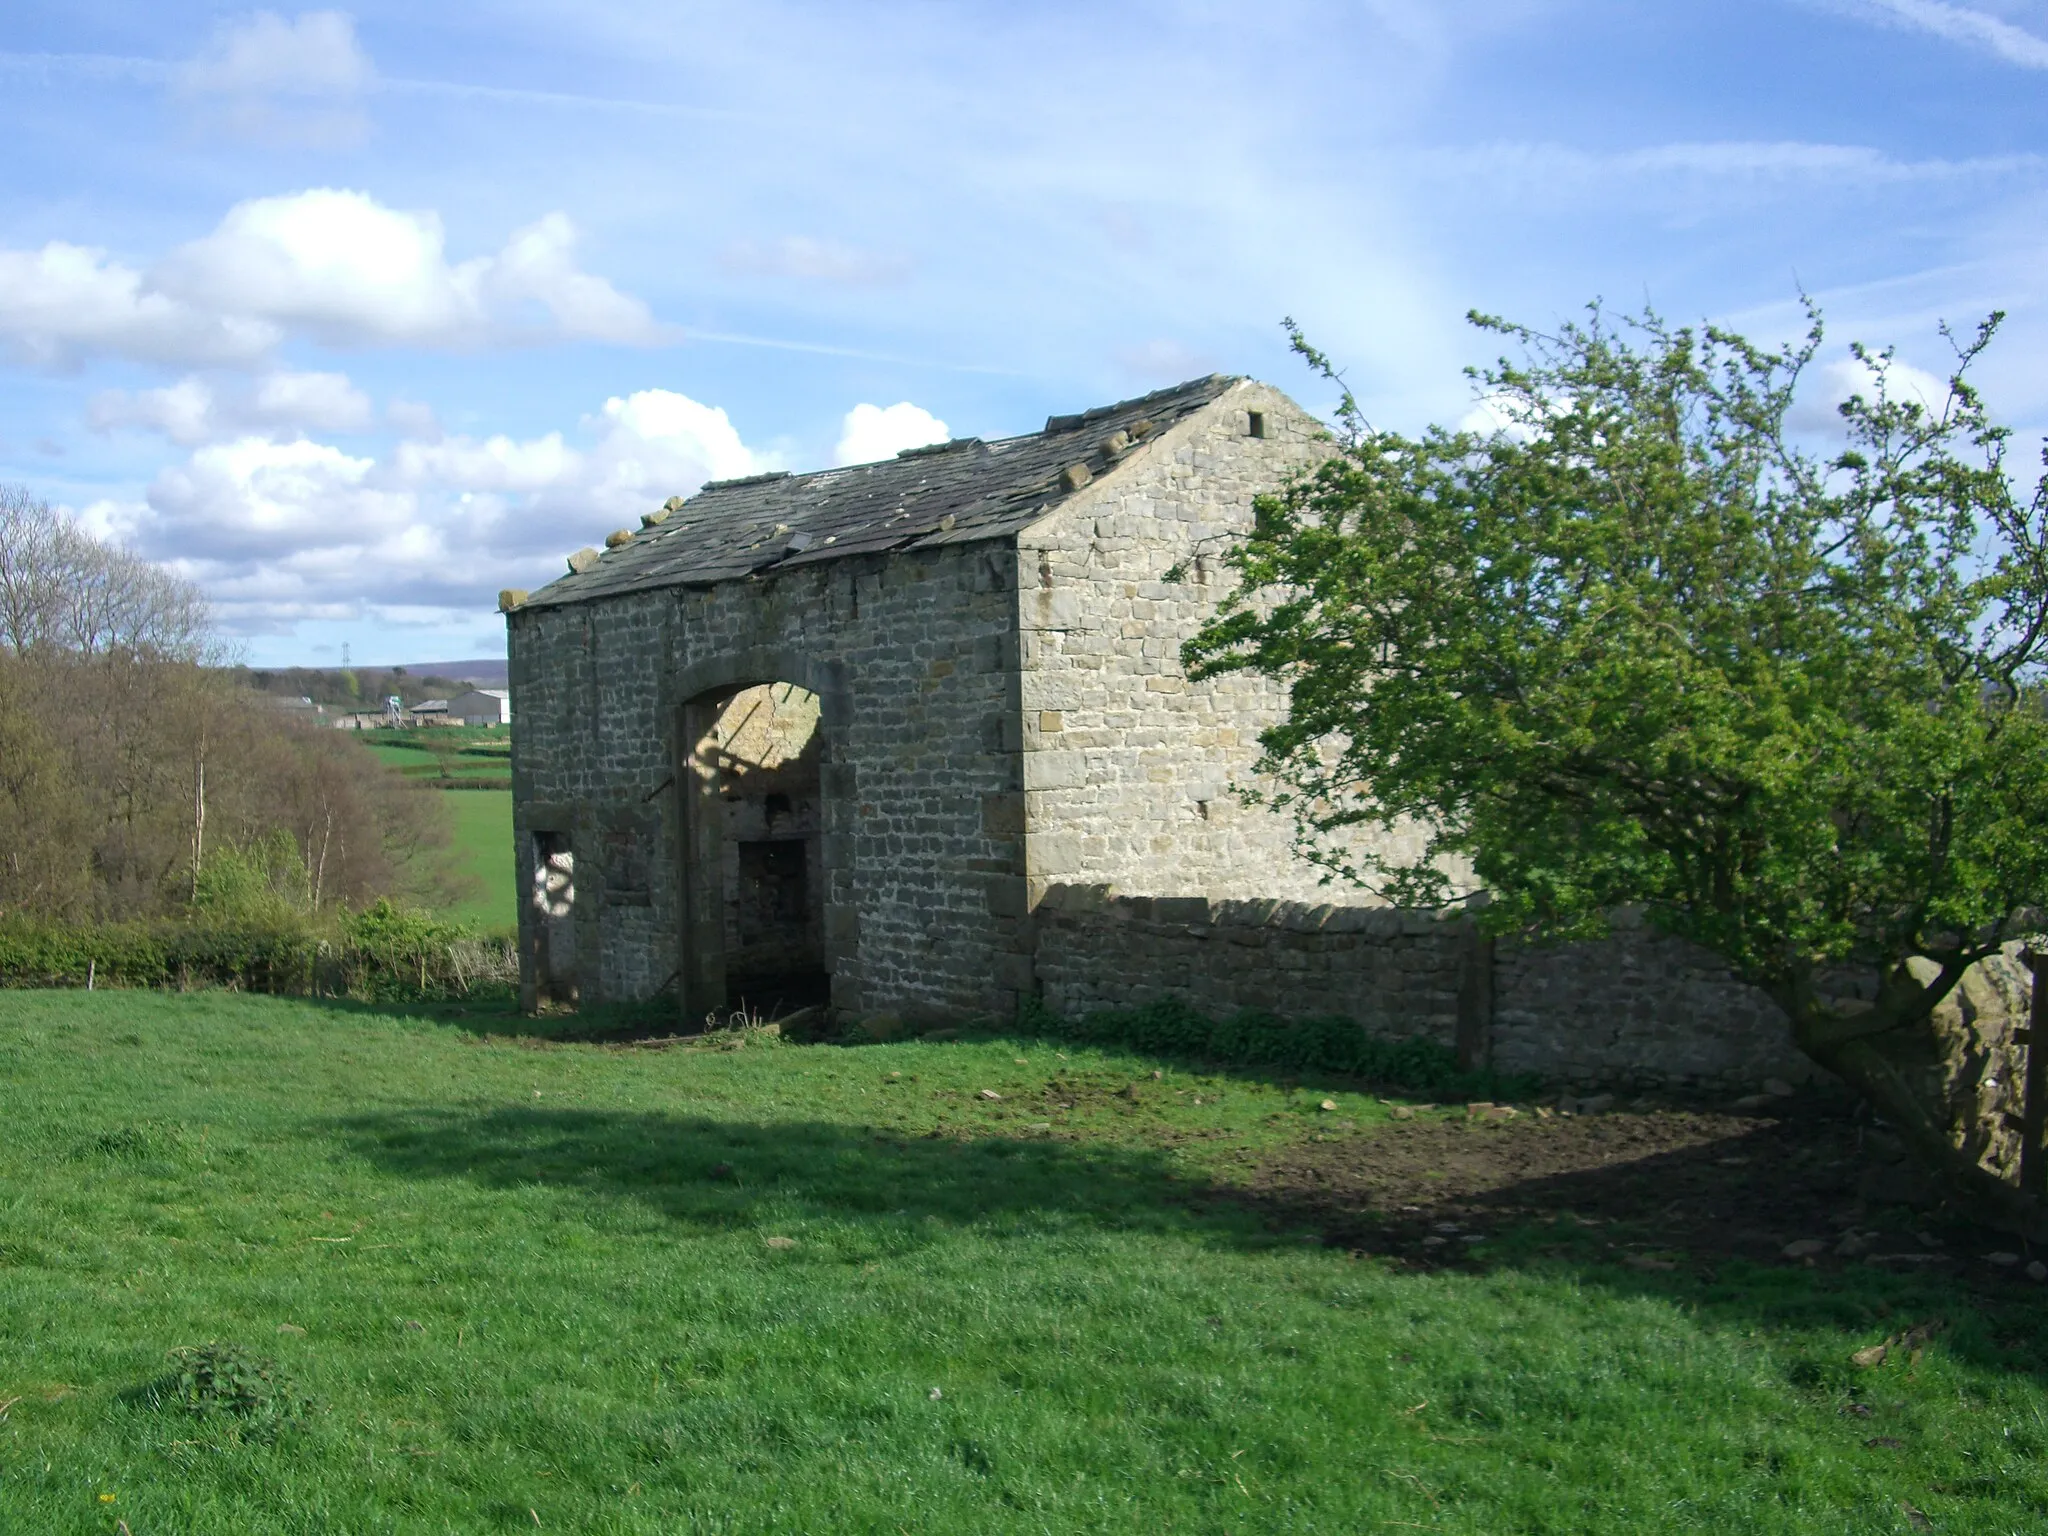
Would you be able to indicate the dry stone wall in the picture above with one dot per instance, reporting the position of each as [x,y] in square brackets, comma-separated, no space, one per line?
[1399,974]
[1636,1010]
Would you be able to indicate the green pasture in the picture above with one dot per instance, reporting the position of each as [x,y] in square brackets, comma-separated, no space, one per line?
[985,1286]
[482,843]
[483,848]
[444,751]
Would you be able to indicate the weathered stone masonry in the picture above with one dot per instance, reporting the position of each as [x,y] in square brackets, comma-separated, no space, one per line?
[907,660]
[990,644]
[1635,1009]
[1001,699]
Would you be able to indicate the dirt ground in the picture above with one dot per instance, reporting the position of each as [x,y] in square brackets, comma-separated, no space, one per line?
[1669,1187]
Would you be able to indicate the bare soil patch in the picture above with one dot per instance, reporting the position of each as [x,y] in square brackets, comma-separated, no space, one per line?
[1660,1187]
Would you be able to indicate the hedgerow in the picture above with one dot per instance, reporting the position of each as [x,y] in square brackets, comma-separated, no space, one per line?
[1170,1027]
[382,953]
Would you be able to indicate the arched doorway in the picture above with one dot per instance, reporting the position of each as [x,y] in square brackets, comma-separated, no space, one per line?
[755,879]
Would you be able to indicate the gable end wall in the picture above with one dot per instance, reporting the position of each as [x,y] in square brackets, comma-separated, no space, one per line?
[1129,765]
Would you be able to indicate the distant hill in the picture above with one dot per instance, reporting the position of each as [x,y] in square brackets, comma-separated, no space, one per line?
[483,672]
[368,687]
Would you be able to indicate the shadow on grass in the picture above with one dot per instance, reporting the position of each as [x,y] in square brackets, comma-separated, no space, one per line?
[495,1014]
[1648,1231]
[723,1175]
[657,1023]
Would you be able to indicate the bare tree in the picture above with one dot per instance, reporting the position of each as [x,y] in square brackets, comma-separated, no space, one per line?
[63,589]
[127,761]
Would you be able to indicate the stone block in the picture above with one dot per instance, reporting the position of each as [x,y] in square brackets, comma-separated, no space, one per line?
[1005,897]
[1002,814]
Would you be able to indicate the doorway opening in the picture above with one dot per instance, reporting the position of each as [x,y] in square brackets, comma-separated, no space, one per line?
[552,892]
[757,878]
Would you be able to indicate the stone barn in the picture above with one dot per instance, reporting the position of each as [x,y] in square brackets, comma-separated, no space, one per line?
[832,736]
[914,738]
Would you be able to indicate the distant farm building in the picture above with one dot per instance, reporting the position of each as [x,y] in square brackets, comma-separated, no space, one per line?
[482,706]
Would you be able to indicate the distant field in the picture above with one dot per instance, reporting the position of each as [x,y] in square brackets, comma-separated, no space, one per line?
[483,816]
[483,847]
[444,751]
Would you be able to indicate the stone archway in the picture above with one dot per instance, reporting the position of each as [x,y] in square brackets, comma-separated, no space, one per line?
[767,920]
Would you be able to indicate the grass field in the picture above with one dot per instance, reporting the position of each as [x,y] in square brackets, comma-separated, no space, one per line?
[777,1288]
[483,848]
[482,845]
[464,752]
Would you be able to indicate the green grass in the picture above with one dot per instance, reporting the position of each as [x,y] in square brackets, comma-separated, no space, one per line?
[462,751]
[483,848]
[533,1285]
[482,845]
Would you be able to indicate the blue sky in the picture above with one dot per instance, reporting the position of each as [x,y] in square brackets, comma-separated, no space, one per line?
[359,316]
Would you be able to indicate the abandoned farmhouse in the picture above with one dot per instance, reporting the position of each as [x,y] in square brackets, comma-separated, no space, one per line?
[914,738]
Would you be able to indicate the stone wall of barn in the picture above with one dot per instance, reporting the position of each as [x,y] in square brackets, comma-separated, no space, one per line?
[1128,764]
[1399,974]
[1637,1009]
[913,658]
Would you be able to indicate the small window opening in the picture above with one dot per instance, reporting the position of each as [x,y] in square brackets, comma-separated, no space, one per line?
[1258,423]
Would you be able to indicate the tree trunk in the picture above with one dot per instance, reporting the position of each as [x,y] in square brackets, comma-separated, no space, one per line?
[1947,1079]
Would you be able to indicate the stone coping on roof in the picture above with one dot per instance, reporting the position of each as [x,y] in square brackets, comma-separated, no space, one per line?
[952,492]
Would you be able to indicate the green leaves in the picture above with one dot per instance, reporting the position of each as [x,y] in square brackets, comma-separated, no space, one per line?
[228,1383]
[1640,646]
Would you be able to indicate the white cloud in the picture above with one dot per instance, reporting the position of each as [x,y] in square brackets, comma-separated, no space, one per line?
[277,81]
[538,266]
[257,499]
[1495,412]
[334,265]
[279,532]
[818,260]
[1818,409]
[193,411]
[1961,24]
[343,267]
[314,55]
[64,302]
[872,432]
[321,402]
[1901,380]
[182,412]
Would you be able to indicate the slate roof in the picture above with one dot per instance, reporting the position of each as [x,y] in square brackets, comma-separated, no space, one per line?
[948,493]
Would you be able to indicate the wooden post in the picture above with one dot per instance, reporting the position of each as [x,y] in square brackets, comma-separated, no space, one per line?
[1475,1001]
[2034,1108]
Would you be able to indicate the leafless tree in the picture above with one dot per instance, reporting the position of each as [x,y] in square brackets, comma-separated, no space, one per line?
[126,760]
[61,588]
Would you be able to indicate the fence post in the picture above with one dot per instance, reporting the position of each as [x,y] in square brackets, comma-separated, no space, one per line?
[1475,1000]
[2034,1108]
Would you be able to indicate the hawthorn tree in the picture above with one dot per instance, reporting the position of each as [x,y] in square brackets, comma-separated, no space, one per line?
[1640,646]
